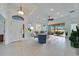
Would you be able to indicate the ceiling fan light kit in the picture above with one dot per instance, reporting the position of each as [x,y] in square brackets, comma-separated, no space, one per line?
[21,11]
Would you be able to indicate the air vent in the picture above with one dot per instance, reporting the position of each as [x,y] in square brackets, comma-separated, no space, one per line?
[72,11]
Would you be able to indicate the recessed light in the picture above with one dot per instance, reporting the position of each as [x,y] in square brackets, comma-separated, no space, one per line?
[51,9]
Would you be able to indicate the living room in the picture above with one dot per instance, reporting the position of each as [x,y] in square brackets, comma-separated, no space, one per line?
[42,27]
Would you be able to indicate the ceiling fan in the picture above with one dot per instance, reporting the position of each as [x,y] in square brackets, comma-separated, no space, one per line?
[50,19]
[70,12]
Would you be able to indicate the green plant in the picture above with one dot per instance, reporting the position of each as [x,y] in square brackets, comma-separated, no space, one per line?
[74,38]
[29,30]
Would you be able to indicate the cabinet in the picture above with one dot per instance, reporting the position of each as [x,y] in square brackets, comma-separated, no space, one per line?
[1,38]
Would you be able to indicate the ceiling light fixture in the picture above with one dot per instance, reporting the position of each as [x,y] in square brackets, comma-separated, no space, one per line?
[51,9]
[21,11]
[50,18]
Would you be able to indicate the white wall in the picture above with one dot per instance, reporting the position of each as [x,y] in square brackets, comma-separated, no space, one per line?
[2,24]
[2,17]
[12,28]
[3,13]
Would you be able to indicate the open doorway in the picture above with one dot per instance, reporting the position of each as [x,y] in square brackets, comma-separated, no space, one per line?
[2,28]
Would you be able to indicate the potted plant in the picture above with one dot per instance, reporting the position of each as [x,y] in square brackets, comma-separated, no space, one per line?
[74,38]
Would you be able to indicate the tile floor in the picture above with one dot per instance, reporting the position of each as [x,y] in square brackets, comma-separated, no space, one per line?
[55,46]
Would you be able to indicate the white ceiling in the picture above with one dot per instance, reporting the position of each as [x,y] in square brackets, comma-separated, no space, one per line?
[59,9]
[41,11]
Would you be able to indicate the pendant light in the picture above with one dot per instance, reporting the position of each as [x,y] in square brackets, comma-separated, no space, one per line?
[21,11]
